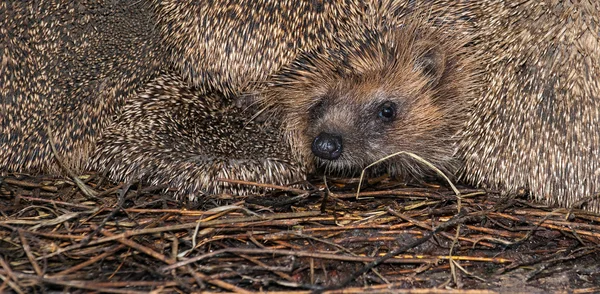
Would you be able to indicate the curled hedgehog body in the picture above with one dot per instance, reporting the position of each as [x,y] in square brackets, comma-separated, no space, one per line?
[93,75]
[534,123]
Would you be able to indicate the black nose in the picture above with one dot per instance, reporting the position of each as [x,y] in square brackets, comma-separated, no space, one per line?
[327,146]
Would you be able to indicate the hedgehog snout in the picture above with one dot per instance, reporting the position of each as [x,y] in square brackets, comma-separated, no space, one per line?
[327,146]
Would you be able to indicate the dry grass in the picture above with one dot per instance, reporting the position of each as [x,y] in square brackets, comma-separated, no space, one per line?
[135,239]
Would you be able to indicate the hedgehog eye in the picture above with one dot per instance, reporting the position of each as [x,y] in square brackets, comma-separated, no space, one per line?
[387,111]
[316,111]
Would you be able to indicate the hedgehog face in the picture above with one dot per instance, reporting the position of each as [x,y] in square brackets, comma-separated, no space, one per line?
[348,106]
[364,118]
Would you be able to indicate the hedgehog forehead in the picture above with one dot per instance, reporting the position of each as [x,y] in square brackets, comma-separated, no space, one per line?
[353,100]
[393,71]
[373,88]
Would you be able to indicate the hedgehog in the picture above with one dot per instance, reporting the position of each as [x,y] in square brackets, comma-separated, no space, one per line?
[399,89]
[144,144]
[525,80]
[77,72]
[228,49]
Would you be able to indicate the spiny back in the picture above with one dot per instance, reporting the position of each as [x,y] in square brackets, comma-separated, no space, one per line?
[233,45]
[535,124]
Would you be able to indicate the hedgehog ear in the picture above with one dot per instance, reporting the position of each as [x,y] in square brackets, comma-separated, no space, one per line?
[431,61]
